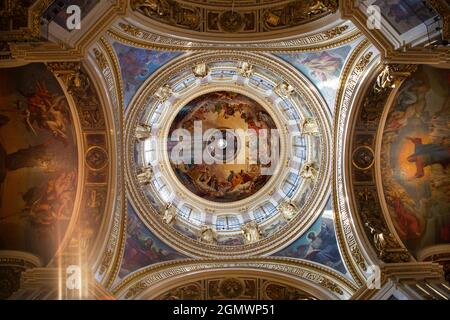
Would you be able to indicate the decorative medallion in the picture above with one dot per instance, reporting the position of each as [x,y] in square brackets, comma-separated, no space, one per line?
[363,158]
[96,158]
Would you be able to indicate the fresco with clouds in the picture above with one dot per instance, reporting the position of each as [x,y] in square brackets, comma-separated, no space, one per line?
[319,243]
[137,65]
[415,158]
[323,68]
[142,247]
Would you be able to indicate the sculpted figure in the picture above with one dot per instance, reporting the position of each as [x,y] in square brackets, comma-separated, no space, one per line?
[142,132]
[284,89]
[288,210]
[201,70]
[251,232]
[245,70]
[309,171]
[208,235]
[145,176]
[310,127]
[170,214]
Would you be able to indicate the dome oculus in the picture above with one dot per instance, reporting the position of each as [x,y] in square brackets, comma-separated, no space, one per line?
[223,146]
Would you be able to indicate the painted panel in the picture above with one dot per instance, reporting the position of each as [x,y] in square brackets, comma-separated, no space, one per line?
[38,161]
[414,159]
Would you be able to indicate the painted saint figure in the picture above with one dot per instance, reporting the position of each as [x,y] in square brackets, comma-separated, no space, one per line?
[428,154]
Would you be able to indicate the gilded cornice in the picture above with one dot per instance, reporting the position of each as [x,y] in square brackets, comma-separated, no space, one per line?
[326,278]
[251,20]
[335,37]
[33,30]
[347,238]
[108,65]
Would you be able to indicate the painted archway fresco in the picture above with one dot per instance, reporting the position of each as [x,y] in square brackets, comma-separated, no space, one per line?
[415,156]
[38,161]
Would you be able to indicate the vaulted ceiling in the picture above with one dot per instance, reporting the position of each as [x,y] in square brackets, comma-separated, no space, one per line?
[89,119]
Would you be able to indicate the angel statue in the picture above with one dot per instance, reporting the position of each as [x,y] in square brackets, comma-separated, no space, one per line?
[143,132]
[208,235]
[245,70]
[164,93]
[309,171]
[284,89]
[310,127]
[251,231]
[170,213]
[288,210]
[145,176]
[201,70]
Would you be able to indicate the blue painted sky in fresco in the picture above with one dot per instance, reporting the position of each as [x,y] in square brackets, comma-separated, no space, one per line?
[142,247]
[318,244]
[323,68]
[137,65]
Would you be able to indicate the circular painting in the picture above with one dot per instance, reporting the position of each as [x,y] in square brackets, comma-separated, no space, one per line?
[223,146]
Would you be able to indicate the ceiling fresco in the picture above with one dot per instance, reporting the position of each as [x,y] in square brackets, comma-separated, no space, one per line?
[415,157]
[225,150]
[142,247]
[318,243]
[137,65]
[323,68]
[38,151]
[228,179]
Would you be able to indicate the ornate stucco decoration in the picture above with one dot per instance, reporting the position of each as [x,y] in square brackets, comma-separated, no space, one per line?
[251,232]
[224,18]
[347,234]
[288,210]
[236,287]
[334,37]
[155,279]
[384,241]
